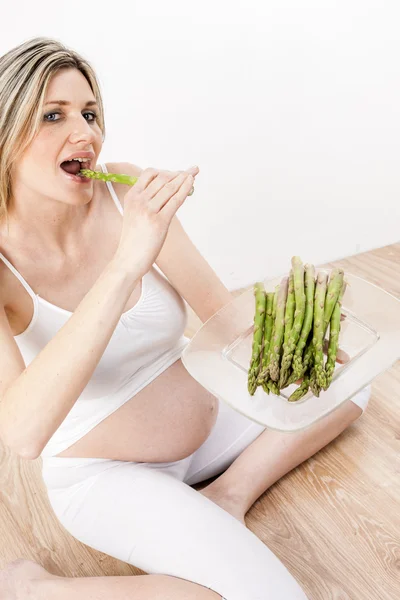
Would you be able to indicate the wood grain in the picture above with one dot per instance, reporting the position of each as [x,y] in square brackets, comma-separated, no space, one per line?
[334,521]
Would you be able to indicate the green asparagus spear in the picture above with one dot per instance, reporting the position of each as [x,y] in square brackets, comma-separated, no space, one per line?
[330,291]
[334,338]
[276,342]
[292,378]
[290,307]
[273,387]
[332,294]
[115,177]
[309,350]
[308,360]
[308,320]
[267,337]
[258,331]
[301,390]
[265,360]
[300,299]
[265,387]
[318,337]
[315,387]
[308,357]
[289,317]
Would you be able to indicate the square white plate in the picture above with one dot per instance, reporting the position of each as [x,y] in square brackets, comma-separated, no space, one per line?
[218,355]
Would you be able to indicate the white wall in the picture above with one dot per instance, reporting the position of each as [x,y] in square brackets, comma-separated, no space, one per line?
[291,109]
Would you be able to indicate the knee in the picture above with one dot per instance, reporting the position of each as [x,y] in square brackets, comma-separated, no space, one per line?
[361,399]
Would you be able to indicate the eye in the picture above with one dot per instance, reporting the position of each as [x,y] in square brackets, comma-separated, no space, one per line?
[92,114]
[50,115]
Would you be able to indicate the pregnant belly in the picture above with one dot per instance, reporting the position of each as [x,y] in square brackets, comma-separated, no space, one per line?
[167,420]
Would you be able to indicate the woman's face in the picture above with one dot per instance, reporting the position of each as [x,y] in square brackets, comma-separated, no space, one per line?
[64,131]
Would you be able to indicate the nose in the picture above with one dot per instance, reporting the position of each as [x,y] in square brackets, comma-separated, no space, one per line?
[82,131]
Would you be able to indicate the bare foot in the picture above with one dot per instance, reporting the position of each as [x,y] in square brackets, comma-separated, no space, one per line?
[16,576]
[229,504]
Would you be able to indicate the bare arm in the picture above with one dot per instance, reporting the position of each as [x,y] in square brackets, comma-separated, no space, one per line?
[38,400]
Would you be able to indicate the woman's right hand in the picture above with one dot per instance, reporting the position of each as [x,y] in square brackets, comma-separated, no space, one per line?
[149,207]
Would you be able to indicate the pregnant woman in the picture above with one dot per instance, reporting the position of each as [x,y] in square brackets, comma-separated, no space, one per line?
[93,279]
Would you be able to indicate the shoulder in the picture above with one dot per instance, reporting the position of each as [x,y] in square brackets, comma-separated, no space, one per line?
[123,168]
[9,286]
[4,284]
[7,279]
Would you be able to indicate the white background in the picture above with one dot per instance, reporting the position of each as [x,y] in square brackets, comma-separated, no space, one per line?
[290,109]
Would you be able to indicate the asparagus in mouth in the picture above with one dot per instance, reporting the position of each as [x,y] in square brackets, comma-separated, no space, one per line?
[114,177]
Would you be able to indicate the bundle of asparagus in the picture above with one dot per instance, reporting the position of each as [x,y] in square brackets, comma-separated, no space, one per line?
[115,177]
[290,325]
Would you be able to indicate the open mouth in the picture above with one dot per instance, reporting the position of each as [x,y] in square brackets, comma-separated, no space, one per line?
[74,166]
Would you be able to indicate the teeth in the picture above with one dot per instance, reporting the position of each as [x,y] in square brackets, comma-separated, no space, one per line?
[80,160]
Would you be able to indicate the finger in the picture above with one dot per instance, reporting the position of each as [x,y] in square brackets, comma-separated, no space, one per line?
[168,203]
[144,180]
[168,190]
[341,356]
[167,176]
[163,177]
[193,170]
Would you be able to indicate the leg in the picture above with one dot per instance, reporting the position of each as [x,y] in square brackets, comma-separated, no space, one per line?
[148,518]
[25,580]
[273,454]
[141,587]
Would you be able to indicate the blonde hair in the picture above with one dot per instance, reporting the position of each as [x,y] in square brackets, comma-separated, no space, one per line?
[25,73]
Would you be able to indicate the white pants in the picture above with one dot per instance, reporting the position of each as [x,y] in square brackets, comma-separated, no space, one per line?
[146,514]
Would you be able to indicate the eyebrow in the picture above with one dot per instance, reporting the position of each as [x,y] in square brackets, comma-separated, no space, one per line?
[65,103]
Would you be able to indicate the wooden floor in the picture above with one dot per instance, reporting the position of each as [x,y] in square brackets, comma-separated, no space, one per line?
[334,521]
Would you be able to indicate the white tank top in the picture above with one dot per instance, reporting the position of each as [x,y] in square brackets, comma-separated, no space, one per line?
[147,339]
